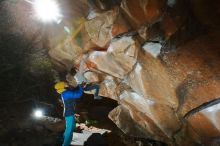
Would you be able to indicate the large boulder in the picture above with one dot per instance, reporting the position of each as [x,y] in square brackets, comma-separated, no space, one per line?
[108,88]
[101,27]
[142,12]
[122,118]
[195,71]
[137,124]
[162,116]
[183,79]
[151,80]
[119,59]
[161,89]
[125,51]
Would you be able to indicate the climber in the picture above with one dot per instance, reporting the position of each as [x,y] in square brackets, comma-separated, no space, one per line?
[68,97]
[74,78]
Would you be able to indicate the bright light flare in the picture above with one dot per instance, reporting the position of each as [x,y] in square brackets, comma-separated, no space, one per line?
[38,113]
[47,10]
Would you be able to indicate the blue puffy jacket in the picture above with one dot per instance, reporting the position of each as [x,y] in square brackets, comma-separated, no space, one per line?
[68,98]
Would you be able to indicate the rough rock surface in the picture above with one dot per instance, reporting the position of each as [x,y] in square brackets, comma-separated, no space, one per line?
[143,12]
[119,59]
[153,111]
[66,54]
[102,26]
[122,118]
[162,89]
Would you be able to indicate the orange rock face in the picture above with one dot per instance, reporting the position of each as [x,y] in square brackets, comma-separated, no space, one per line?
[104,26]
[184,80]
[120,26]
[203,125]
[169,26]
[146,81]
[136,123]
[121,116]
[194,72]
[152,110]
[206,123]
[140,12]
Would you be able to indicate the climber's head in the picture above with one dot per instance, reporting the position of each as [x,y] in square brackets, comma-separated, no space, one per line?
[60,87]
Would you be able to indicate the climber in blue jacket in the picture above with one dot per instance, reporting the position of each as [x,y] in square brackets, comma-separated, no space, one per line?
[68,97]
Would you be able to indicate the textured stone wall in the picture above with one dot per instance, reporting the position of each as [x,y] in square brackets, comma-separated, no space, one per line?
[159,59]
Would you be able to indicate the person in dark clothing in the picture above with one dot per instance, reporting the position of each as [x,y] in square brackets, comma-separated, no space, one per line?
[68,97]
